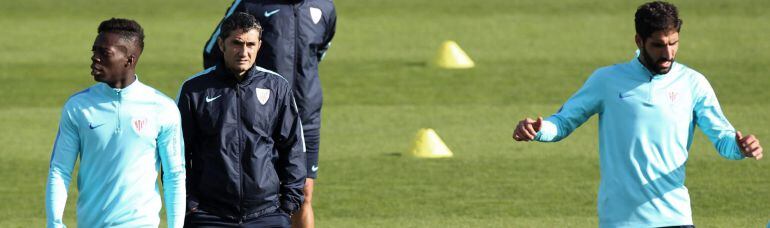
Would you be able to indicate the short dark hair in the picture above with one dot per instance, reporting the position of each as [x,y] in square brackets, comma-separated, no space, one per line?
[239,21]
[126,28]
[656,16]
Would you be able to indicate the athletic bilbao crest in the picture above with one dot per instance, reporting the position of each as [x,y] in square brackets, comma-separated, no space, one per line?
[263,95]
[315,14]
[672,96]
[140,124]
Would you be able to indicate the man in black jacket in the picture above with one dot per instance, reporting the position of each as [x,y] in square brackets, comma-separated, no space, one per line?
[244,147]
[297,34]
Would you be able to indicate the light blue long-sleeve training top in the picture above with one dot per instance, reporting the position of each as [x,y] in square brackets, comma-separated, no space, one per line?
[121,136]
[646,125]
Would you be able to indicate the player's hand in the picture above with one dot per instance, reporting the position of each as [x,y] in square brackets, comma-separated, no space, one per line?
[749,145]
[527,129]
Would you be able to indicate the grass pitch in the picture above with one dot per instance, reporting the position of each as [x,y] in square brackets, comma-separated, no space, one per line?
[530,55]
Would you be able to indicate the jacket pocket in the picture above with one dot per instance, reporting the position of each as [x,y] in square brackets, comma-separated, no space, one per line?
[262,183]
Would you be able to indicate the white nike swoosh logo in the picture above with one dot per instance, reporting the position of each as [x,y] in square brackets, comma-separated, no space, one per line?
[268,14]
[212,99]
[314,168]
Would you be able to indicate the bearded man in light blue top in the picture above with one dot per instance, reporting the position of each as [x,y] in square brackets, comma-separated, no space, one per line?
[648,109]
[123,132]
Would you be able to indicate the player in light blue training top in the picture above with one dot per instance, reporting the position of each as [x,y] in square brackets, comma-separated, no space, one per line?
[648,109]
[123,132]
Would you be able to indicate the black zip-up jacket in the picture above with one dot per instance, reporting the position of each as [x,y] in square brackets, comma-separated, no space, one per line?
[243,143]
[297,34]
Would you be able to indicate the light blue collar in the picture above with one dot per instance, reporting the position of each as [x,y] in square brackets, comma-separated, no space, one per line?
[114,92]
[639,67]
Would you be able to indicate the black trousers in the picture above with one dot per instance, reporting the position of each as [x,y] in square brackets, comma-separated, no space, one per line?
[203,219]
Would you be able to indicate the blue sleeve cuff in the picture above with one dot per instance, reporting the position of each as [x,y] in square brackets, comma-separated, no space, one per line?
[547,133]
[728,148]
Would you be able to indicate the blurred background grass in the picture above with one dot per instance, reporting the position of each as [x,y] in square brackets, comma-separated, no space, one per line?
[530,55]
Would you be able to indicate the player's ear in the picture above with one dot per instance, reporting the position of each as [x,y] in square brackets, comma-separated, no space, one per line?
[639,41]
[221,44]
[130,60]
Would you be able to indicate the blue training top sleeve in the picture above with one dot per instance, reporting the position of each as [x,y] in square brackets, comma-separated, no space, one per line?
[65,152]
[576,111]
[713,123]
[170,146]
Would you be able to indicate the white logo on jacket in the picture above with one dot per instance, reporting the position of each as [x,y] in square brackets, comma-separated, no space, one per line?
[263,95]
[315,14]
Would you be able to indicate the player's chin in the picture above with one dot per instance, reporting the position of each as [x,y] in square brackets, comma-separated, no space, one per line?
[244,65]
[663,70]
[665,66]
[98,75]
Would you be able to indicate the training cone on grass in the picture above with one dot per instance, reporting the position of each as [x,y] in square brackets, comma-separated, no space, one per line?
[427,144]
[451,56]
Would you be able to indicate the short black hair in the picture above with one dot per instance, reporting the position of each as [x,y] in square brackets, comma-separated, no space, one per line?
[126,28]
[656,16]
[239,21]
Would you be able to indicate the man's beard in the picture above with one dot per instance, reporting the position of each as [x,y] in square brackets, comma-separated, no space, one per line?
[655,68]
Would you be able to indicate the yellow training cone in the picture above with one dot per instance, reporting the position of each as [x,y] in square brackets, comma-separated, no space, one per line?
[427,144]
[451,56]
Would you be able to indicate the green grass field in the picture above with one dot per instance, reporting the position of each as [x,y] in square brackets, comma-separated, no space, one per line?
[530,55]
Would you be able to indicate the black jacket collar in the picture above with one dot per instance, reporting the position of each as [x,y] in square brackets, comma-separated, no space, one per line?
[226,75]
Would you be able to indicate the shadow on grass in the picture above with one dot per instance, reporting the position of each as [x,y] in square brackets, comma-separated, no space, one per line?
[415,63]
[393,154]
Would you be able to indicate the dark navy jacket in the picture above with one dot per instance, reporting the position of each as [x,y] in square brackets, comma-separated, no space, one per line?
[296,35]
[243,143]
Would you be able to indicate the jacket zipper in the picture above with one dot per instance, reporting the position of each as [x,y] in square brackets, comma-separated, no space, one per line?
[651,95]
[118,103]
[240,148]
